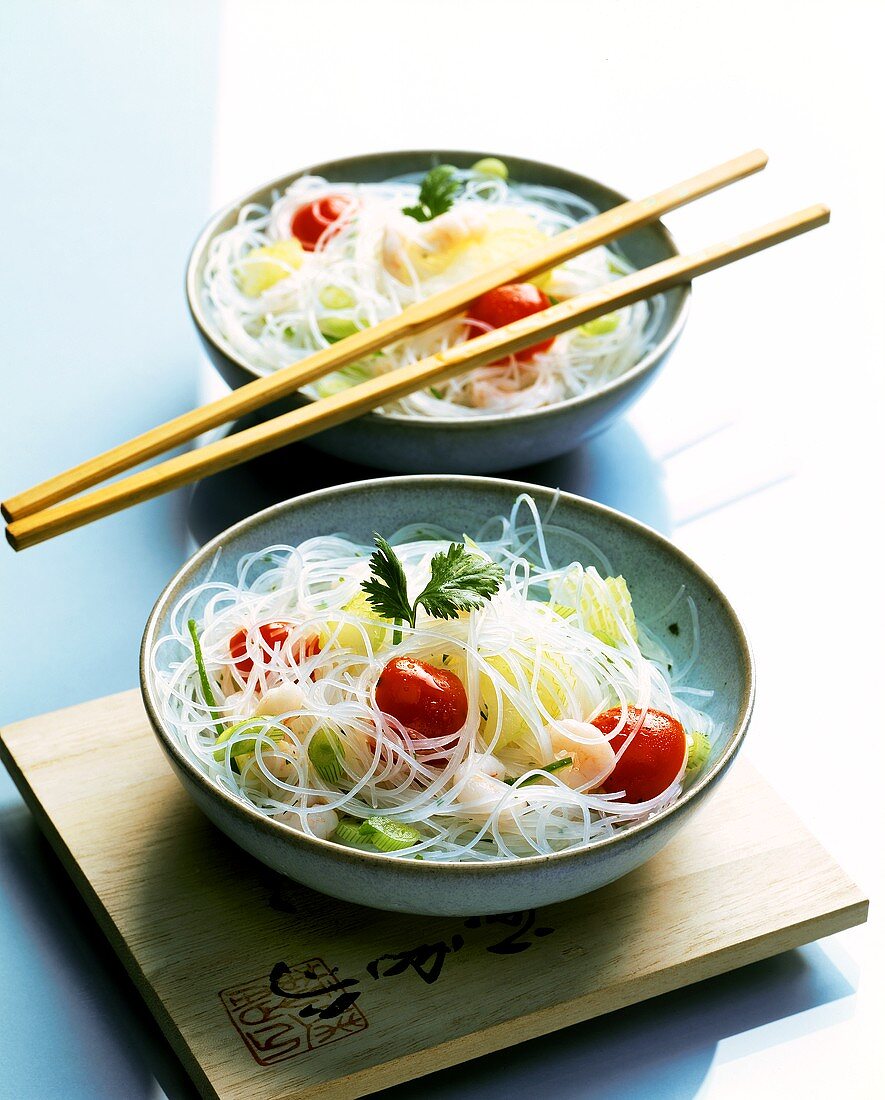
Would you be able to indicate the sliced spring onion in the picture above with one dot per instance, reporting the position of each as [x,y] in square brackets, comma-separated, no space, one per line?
[601,325]
[348,830]
[337,328]
[246,745]
[555,766]
[333,383]
[491,166]
[336,297]
[698,753]
[387,835]
[208,694]
[266,266]
[604,606]
[326,753]
[343,379]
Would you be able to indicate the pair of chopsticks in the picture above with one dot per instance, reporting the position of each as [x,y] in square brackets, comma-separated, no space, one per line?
[36,514]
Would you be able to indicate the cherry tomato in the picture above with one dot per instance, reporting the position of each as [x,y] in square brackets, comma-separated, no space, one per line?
[273,636]
[508,303]
[653,758]
[429,701]
[310,221]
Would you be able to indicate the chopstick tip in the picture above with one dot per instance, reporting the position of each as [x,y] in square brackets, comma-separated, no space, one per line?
[816,215]
[12,540]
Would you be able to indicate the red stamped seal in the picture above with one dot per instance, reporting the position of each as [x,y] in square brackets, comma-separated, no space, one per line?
[292,1010]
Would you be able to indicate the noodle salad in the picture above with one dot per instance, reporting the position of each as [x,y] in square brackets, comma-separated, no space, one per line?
[434,697]
[325,260]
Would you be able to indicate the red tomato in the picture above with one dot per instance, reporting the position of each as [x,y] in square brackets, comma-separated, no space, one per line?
[430,701]
[508,303]
[653,758]
[311,220]
[273,636]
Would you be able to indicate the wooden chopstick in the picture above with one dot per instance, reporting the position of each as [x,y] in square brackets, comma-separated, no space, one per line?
[360,399]
[596,231]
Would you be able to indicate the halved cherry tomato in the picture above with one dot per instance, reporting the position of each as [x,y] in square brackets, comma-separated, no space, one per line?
[273,636]
[508,303]
[428,701]
[310,221]
[653,758]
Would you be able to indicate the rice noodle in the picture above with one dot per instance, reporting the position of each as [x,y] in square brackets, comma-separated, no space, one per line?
[285,322]
[521,654]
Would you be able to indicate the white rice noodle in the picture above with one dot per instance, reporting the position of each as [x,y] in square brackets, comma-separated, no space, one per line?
[519,660]
[285,322]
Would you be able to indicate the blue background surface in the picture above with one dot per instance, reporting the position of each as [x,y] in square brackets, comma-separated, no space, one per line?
[104,175]
[105,144]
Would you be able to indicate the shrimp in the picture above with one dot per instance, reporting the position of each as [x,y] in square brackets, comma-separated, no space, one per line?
[238,702]
[480,786]
[410,248]
[313,821]
[282,699]
[593,758]
[286,698]
[281,761]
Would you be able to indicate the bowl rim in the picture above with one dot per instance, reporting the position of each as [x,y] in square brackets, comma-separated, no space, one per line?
[280,832]
[645,366]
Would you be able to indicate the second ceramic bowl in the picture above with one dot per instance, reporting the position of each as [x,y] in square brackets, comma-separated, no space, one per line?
[393,441]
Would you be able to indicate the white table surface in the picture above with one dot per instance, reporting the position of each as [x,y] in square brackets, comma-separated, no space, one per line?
[759,451]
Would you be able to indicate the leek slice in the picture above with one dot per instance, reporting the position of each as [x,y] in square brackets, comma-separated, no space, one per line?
[343,379]
[264,267]
[336,297]
[338,328]
[604,606]
[601,325]
[246,746]
[387,835]
[326,753]
[698,753]
[348,830]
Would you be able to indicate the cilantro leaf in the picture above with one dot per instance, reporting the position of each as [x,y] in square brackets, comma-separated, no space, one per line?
[437,195]
[459,581]
[386,590]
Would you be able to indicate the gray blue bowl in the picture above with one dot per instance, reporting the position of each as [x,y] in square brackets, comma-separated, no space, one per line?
[655,570]
[392,441]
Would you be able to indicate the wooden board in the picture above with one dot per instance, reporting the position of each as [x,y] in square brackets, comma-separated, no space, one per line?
[267,990]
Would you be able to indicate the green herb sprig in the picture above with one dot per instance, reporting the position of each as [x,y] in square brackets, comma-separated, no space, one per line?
[459,581]
[208,694]
[439,189]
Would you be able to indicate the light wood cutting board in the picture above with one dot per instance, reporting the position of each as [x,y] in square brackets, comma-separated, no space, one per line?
[267,990]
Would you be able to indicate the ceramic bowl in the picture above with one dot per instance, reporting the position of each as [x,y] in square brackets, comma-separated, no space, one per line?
[655,570]
[466,444]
